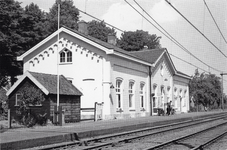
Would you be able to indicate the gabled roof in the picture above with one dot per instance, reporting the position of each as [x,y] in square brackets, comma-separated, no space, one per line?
[154,55]
[48,84]
[105,46]
[149,55]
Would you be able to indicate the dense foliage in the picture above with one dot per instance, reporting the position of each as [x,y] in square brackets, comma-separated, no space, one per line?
[30,96]
[135,41]
[205,90]
[21,29]
[99,30]
[69,16]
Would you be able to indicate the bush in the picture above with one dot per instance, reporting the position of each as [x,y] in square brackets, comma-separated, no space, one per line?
[27,118]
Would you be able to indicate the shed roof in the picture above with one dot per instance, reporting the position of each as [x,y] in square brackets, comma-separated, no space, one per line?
[48,84]
[49,81]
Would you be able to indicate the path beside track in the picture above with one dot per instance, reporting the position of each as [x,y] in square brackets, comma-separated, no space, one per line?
[30,137]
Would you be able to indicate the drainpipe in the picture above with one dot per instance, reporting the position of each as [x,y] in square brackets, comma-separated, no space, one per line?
[151,97]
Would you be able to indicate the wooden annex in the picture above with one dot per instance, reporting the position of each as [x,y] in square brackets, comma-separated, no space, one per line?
[47,83]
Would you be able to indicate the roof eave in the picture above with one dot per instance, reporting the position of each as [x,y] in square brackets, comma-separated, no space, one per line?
[27,74]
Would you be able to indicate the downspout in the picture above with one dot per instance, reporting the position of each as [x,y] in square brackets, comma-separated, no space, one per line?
[151,96]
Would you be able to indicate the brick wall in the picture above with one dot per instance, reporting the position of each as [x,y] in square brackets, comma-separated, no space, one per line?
[70,106]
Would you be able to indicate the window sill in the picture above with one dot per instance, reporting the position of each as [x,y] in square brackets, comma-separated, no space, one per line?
[66,63]
[119,110]
[142,109]
[132,109]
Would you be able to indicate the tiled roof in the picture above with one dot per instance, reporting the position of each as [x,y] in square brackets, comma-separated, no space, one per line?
[149,55]
[104,44]
[49,81]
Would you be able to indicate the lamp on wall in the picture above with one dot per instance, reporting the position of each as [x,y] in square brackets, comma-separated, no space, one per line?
[111,86]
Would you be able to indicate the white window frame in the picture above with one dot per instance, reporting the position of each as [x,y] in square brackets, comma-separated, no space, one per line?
[169,94]
[142,97]
[131,94]
[16,99]
[67,56]
[155,97]
[119,90]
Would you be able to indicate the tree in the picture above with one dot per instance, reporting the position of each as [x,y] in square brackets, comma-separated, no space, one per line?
[11,40]
[135,41]
[205,89]
[69,16]
[33,26]
[99,30]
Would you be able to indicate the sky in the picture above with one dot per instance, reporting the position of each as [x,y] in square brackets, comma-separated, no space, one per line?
[121,15]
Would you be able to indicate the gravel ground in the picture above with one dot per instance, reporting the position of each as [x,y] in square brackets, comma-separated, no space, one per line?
[221,144]
[157,139]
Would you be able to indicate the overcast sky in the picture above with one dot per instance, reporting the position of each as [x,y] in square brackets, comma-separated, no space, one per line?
[121,15]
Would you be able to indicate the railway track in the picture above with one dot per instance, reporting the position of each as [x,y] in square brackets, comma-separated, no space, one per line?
[116,140]
[194,140]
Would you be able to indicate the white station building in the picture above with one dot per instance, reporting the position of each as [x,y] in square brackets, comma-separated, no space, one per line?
[127,84]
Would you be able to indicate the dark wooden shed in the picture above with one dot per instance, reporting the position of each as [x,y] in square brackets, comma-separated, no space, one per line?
[69,95]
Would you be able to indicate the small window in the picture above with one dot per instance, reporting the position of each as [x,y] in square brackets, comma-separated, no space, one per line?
[161,70]
[62,57]
[65,56]
[18,99]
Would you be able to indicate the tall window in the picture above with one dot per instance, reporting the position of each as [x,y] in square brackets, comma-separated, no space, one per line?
[131,94]
[142,95]
[162,96]
[118,93]
[155,98]
[168,94]
[18,99]
[65,56]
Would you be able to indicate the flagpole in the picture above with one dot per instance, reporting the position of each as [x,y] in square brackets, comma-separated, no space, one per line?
[58,63]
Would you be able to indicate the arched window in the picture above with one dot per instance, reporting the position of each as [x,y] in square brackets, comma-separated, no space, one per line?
[65,56]
[119,93]
[131,92]
[142,95]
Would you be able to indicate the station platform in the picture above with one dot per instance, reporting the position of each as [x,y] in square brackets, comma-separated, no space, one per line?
[21,138]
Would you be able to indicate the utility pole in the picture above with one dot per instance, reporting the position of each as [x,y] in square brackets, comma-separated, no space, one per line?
[58,85]
[222,87]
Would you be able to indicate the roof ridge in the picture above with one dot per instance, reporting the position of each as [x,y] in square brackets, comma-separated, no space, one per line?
[147,50]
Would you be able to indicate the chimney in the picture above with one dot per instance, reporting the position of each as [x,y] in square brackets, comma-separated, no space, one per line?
[111,39]
[82,27]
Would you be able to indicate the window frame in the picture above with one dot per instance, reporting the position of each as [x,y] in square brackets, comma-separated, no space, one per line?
[131,94]
[67,56]
[118,90]
[142,97]
[16,99]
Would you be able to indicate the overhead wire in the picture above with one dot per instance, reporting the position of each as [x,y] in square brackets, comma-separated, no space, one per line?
[196,28]
[123,31]
[214,21]
[169,35]
[100,20]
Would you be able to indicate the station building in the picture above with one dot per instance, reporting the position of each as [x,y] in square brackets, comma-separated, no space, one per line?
[127,84]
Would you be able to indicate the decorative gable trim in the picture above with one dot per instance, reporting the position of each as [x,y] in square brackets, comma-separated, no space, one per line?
[20,58]
[27,74]
[76,35]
